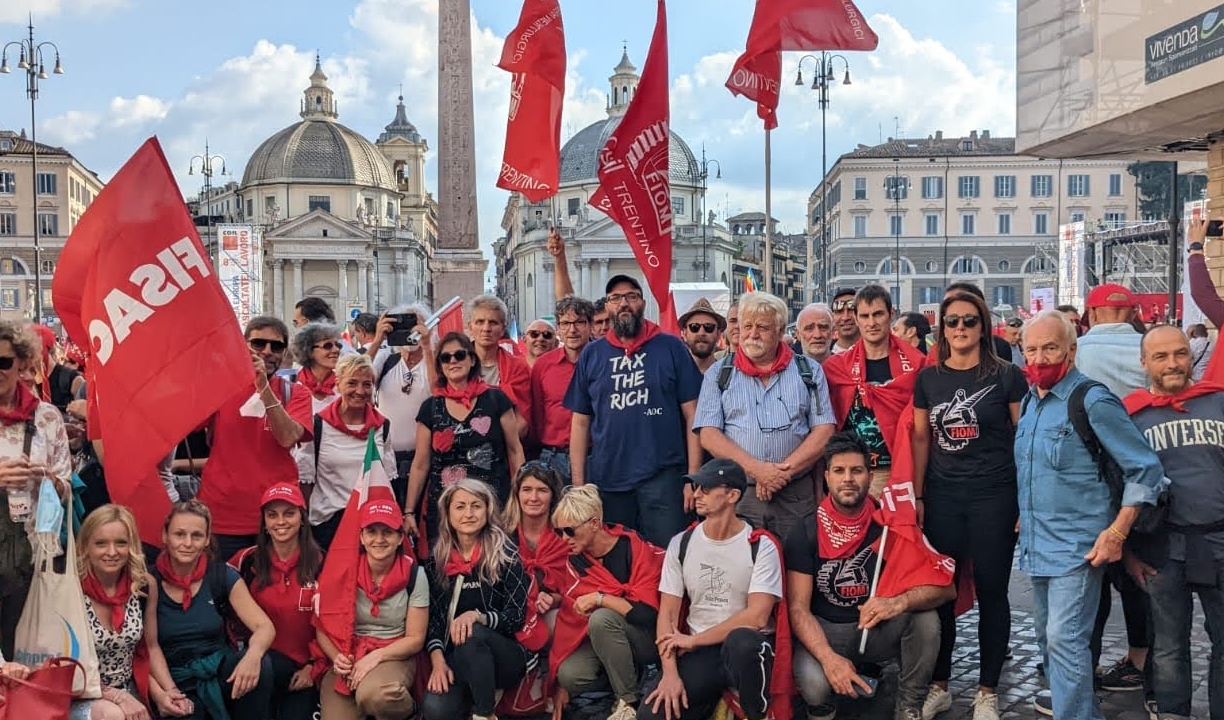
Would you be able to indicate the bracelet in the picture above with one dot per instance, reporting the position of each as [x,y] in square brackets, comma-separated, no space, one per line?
[409,513]
[1116,533]
[269,407]
[600,597]
[919,498]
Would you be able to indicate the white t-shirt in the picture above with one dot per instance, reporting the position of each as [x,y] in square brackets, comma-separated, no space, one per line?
[396,405]
[718,576]
[341,459]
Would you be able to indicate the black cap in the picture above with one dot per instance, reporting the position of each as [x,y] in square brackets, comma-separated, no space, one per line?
[618,279]
[717,472]
[844,291]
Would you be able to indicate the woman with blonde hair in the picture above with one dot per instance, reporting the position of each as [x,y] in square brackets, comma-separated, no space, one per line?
[478,601]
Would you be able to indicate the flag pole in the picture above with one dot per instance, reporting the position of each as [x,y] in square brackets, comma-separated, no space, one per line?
[768,270]
[434,319]
[875,583]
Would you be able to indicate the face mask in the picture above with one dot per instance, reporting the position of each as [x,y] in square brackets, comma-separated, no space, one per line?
[49,514]
[1045,375]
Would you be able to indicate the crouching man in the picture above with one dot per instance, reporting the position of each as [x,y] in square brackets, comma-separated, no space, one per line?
[831,561]
[730,577]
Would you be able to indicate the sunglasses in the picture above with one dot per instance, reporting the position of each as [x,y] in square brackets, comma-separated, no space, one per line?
[1015,322]
[570,531]
[840,305]
[408,380]
[954,321]
[6,362]
[546,334]
[457,356]
[328,346]
[260,343]
[702,327]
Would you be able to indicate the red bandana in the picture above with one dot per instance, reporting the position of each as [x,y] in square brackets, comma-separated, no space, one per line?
[117,602]
[632,345]
[394,581]
[456,565]
[316,388]
[465,395]
[744,365]
[181,582]
[838,536]
[284,569]
[548,559]
[847,377]
[24,405]
[372,420]
[1142,398]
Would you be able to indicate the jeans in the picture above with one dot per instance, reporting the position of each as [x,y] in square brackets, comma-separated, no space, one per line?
[743,662]
[1172,618]
[1065,609]
[558,461]
[487,662]
[655,508]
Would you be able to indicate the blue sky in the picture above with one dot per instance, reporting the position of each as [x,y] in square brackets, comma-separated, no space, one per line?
[233,72]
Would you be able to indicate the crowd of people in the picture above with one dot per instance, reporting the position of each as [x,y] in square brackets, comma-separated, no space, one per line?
[681,521]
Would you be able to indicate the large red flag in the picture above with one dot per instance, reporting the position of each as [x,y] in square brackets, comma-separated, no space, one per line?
[135,286]
[535,54]
[806,25]
[634,184]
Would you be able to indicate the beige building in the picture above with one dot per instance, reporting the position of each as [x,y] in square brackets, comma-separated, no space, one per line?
[957,209]
[65,189]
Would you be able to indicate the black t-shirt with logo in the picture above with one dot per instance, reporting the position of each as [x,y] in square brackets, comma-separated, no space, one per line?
[862,421]
[972,434]
[839,587]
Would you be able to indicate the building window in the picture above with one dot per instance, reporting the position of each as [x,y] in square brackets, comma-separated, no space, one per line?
[1115,220]
[860,188]
[1115,185]
[677,205]
[1005,186]
[894,225]
[316,202]
[970,186]
[390,209]
[1005,295]
[8,183]
[1042,186]
[896,187]
[46,184]
[968,224]
[250,208]
[931,220]
[48,267]
[860,226]
[1077,217]
[860,267]
[932,266]
[48,224]
[930,295]
[8,267]
[9,299]
[573,206]
[1004,266]
[8,224]
[932,187]
[1041,223]
[967,266]
[1004,223]
[1077,186]
[47,299]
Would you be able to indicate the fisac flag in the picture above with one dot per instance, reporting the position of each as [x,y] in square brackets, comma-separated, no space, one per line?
[535,56]
[135,286]
[806,25]
[634,185]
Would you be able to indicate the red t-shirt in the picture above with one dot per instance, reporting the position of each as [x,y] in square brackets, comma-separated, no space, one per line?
[287,603]
[244,460]
[550,378]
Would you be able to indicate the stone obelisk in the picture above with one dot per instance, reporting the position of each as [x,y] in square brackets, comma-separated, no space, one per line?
[458,264]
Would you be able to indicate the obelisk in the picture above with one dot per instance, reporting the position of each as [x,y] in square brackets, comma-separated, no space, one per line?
[458,264]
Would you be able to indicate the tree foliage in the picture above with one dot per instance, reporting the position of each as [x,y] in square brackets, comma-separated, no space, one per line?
[1152,180]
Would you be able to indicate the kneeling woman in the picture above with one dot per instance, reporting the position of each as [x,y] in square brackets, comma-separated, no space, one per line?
[196,594]
[371,673]
[478,601]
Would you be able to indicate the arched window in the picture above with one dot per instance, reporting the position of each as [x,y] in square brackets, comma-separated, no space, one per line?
[968,266]
[886,267]
[1036,264]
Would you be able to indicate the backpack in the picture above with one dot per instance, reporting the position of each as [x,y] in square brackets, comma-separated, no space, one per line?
[387,367]
[318,433]
[801,361]
[753,544]
[1151,517]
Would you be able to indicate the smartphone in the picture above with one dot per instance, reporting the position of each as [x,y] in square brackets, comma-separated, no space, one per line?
[1215,228]
[404,323]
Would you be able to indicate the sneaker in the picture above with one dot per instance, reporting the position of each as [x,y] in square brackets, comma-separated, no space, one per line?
[985,706]
[937,700]
[623,711]
[1122,677]
[823,711]
[1044,704]
[909,713]
[1150,705]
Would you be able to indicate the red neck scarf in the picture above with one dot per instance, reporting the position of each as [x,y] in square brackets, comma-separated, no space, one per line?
[465,396]
[331,416]
[283,570]
[548,558]
[839,536]
[320,389]
[181,582]
[25,403]
[1142,398]
[744,365]
[117,602]
[456,565]
[632,345]
[394,581]
[847,377]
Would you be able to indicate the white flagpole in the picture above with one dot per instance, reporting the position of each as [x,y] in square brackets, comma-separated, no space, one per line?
[434,319]
[875,583]
[768,270]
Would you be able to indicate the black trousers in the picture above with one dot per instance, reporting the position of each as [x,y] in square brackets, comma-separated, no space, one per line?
[325,531]
[744,663]
[486,663]
[1135,610]
[287,705]
[14,586]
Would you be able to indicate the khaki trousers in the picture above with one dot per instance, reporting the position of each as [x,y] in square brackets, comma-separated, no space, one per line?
[385,693]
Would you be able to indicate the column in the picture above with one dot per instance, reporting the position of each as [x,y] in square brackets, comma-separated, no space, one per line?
[359,285]
[543,287]
[603,273]
[278,288]
[401,294]
[342,289]
[371,295]
[297,280]
[586,280]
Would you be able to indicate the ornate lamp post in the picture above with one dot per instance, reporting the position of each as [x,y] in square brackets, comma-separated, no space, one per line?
[206,163]
[705,173]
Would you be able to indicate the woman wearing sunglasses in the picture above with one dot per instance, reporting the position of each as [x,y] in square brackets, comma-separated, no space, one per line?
[965,413]
[317,347]
[528,519]
[466,430]
[605,631]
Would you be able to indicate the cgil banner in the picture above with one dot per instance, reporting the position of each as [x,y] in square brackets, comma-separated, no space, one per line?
[241,269]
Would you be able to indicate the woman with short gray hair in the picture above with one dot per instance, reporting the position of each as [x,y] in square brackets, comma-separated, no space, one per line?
[317,347]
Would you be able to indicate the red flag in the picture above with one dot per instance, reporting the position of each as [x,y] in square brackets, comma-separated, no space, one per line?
[450,317]
[634,185]
[806,25]
[135,286]
[535,54]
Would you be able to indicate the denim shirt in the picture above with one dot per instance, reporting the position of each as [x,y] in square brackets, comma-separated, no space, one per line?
[1109,354]
[1064,506]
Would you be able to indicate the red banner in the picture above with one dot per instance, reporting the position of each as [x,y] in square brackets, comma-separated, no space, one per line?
[634,181]
[135,286]
[806,25]
[535,54]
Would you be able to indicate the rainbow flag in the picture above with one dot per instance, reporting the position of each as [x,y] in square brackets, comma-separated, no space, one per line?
[750,282]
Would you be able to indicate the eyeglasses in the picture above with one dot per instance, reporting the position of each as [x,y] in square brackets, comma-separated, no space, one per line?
[570,531]
[954,321]
[6,362]
[572,323]
[546,334]
[408,380]
[260,343]
[632,297]
[457,356]
[840,305]
[702,327]
[328,346]
[1015,322]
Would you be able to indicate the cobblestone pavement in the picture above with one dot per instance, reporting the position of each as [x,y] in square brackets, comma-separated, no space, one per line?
[1020,682]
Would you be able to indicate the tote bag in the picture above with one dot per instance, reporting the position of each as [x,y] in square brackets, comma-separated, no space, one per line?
[46,694]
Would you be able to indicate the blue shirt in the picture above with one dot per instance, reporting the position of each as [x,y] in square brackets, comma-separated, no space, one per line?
[1109,354]
[637,427]
[194,633]
[1064,505]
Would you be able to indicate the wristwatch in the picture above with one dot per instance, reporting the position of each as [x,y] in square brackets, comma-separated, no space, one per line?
[1195,246]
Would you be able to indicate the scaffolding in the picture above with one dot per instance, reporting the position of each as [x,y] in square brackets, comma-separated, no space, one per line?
[1135,256]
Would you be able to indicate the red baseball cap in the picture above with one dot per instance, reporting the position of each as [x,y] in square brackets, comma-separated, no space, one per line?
[381,512]
[284,492]
[1110,295]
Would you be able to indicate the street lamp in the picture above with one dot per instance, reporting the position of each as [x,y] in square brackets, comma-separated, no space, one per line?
[206,163]
[31,60]
[705,173]
[895,185]
[821,81]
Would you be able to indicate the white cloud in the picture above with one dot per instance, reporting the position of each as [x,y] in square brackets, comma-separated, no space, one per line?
[139,110]
[71,129]
[19,11]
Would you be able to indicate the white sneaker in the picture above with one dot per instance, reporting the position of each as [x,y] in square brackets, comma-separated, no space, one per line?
[623,711]
[985,706]
[937,700]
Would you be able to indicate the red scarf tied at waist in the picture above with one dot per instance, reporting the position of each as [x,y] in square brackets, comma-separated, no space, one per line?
[456,565]
[1142,398]
[847,377]
[318,388]
[466,395]
[372,420]
[632,345]
[117,602]
[396,580]
[182,582]
[25,403]
[780,363]
[838,535]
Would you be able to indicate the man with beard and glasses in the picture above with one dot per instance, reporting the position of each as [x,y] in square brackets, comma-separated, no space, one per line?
[701,328]
[550,378]
[814,328]
[830,561]
[1183,421]
[845,320]
[633,396]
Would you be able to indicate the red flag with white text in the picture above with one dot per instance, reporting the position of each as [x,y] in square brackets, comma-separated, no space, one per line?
[134,285]
[534,54]
[806,25]
[634,181]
